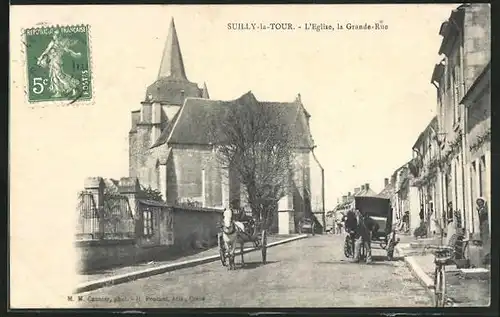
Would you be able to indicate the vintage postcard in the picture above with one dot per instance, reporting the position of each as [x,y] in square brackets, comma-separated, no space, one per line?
[269,156]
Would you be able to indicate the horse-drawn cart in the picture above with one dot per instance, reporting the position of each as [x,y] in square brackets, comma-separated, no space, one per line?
[243,232]
[379,209]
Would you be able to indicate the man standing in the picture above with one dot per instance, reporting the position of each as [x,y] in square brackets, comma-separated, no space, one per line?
[484,228]
[351,222]
[406,221]
[366,226]
[350,225]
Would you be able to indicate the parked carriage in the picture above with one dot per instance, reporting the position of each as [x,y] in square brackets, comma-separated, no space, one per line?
[253,233]
[379,209]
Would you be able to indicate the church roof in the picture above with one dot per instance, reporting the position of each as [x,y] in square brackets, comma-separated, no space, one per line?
[193,125]
[171,91]
[172,85]
[162,139]
[172,64]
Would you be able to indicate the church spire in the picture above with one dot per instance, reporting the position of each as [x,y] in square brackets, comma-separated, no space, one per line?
[205,92]
[171,61]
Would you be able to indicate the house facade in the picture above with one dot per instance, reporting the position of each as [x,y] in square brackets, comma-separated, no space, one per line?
[171,149]
[477,108]
[406,194]
[388,192]
[427,150]
[466,47]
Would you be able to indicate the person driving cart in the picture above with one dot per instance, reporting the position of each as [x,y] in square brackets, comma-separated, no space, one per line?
[241,217]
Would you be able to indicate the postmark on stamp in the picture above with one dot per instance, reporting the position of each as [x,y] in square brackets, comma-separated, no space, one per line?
[58,63]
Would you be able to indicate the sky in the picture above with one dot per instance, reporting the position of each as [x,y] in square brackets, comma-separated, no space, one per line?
[368,93]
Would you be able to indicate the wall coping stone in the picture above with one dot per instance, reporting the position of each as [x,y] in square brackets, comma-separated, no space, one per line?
[93,182]
[102,242]
[198,209]
[128,185]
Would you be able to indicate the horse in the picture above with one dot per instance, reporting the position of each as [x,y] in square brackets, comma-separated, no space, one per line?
[231,234]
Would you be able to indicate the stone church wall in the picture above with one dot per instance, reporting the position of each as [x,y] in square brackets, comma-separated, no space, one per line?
[139,143]
[197,176]
[316,183]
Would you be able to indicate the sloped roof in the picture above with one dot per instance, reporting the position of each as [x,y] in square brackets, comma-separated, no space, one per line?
[172,64]
[172,85]
[472,92]
[195,125]
[111,184]
[152,203]
[162,139]
[387,192]
[172,91]
[366,192]
[432,125]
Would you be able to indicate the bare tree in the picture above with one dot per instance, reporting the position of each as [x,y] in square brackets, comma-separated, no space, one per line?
[254,141]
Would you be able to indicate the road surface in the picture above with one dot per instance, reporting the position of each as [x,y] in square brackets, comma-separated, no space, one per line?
[311,272]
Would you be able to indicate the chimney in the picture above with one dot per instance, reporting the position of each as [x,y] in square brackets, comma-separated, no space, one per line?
[298,98]
[367,186]
[356,190]
[344,199]
[362,187]
[386,182]
[349,194]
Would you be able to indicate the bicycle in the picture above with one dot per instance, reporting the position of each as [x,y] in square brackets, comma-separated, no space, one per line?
[442,257]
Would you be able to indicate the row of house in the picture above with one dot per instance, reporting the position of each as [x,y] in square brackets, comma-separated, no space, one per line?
[452,154]
[450,168]
[344,203]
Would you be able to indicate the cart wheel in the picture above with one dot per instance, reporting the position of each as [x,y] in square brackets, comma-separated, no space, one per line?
[264,246]
[390,255]
[348,247]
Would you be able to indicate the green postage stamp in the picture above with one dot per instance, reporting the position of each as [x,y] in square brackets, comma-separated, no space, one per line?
[58,63]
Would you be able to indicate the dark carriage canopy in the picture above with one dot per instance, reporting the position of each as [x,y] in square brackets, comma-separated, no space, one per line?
[375,207]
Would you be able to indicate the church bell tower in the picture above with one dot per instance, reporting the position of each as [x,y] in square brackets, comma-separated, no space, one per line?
[163,100]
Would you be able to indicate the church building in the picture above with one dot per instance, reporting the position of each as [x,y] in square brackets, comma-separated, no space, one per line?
[169,148]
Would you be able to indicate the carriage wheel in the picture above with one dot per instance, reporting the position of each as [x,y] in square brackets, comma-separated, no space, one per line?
[222,251]
[383,244]
[348,247]
[264,246]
